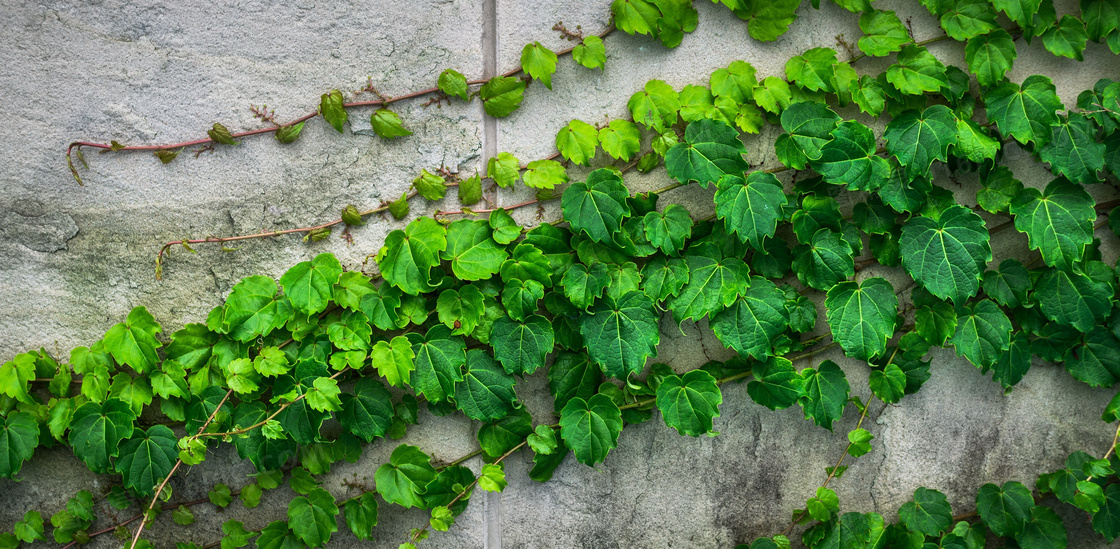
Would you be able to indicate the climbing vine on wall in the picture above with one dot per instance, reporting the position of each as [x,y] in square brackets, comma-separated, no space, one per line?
[466,303]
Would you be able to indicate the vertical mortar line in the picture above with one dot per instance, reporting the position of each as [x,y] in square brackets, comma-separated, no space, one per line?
[491,501]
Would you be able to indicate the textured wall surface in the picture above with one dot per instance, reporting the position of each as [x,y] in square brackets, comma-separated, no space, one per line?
[74,260]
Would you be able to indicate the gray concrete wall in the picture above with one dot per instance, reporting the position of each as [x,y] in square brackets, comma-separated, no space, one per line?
[76,259]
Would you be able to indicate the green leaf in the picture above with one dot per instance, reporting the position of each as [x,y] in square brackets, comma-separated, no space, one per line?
[277,535]
[288,134]
[403,480]
[928,513]
[663,278]
[767,19]
[408,256]
[983,333]
[776,384]
[850,159]
[861,316]
[947,255]
[252,309]
[133,341]
[711,149]
[590,53]
[582,285]
[312,518]
[485,391]
[689,403]
[473,254]
[1014,363]
[19,435]
[1009,284]
[521,347]
[361,516]
[1101,18]
[813,69]
[394,360]
[544,174]
[30,528]
[308,284]
[1044,529]
[96,431]
[714,282]
[621,334]
[367,412]
[808,127]
[1058,223]
[656,106]
[1021,12]
[1106,521]
[990,56]
[591,427]
[1026,113]
[968,18]
[860,442]
[147,458]
[736,82]
[330,106]
[577,141]
[1073,299]
[539,62]
[752,208]
[823,505]
[324,396]
[751,323]
[460,310]
[621,139]
[520,298]
[381,307]
[502,95]
[502,435]
[439,357]
[493,478]
[543,440]
[430,186]
[1005,509]
[597,206]
[16,376]
[668,230]
[917,71]
[1066,38]
[824,261]
[635,16]
[453,84]
[504,169]
[889,384]
[470,190]
[883,33]
[387,124]
[572,375]
[1073,150]
[528,263]
[974,143]
[917,139]
[506,230]
[351,287]
[826,392]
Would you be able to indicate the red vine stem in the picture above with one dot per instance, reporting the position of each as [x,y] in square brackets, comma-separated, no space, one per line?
[383,101]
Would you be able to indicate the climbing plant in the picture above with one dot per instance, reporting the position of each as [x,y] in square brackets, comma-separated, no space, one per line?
[464,304]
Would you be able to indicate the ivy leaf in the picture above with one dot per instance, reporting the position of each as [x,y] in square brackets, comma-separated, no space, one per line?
[96,431]
[539,62]
[1009,284]
[736,82]
[861,316]
[824,261]
[460,310]
[983,333]
[947,255]
[714,282]
[361,516]
[1101,18]
[577,141]
[544,174]
[309,283]
[751,324]
[521,347]
[394,360]
[917,71]
[1073,299]
[883,32]
[430,185]
[635,16]
[1026,113]
[367,411]
[1021,12]
[330,106]
[312,518]
[381,307]
[597,206]
[776,384]
[826,392]
[387,124]
[621,333]
[750,208]
[622,139]
[453,84]
[520,297]
[1073,151]
[133,341]
[668,230]
[19,435]
[485,391]
[403,480]
[767,19]
[656,106]
[473,254]
[917,139]
[147,458]
[1044,529]
[808,127]
[990,56]
[888,384]
[582,285]
[689,403]
[590,53]
[711,149]
[812,70]
[502,95]
[663,278]
[928,513]
[1013,364]
[974,143]
[1005,509]
[252,309]
[591,427]
[439,358]
[1058,223]
[1106,521]
[408,256]
[850,159]
[504,169]
[528,263]
[968,18]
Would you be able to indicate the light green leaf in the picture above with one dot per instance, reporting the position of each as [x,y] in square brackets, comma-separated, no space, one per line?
[767,19]
[473,254]
[577,141]
[544,174]
[361,516]
[133,341]
[330,106]
[582,285]
[883,33]
[813,69]
[408,256]
[387,124]
[656,106]
[917,71]
[453,84]
[502,95]
[394,360]
[590,53]
[968,18]
[621,139]
[597,206]
[504,169]
[309,283]
[539,62]
[403,480]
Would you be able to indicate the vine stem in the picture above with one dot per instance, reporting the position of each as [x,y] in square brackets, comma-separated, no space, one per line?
[381,101]
[265,421]
[178,462]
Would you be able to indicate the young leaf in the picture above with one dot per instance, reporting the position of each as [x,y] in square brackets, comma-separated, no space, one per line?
[453,84]
[883,33]
[309,284]
[656,106]
[539,62]
[394,360]
[387,124]
[668,230]
[473,254]
[577,141]
[502,95]
[361,515]
[544,174]
[133,341]
[813,70]
[591,427]
[403,480]
[330,106]
[1066,38]
[917,71]
[590,53]
[504,169]
[621,139]
[408,256]
[968,18]
[312,518]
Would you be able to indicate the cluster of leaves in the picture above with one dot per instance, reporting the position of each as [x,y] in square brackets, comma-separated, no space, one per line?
[461,312]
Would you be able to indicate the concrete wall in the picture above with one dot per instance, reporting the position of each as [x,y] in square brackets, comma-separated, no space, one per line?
[76,259]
